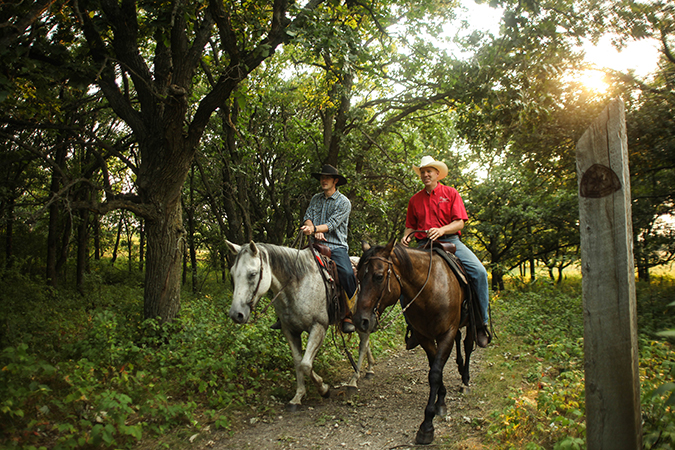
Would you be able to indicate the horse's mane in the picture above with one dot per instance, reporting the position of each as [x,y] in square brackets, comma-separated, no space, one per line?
[296,264]
[290,261]
[400,252]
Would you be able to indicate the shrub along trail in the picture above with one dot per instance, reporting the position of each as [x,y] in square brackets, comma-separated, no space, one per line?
[385,413]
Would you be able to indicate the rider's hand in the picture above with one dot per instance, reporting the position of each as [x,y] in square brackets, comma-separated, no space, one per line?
[307,229]
[406,240]
[434,233]
[319,237]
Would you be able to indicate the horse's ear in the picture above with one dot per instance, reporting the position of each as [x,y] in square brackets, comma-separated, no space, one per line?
[253,248]
[365,246]
[390,246]
[234,248]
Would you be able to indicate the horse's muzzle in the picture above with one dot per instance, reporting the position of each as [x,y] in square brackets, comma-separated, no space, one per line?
[239,316]
[365,322]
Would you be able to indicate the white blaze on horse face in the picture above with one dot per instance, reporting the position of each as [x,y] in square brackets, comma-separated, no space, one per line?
[251,278]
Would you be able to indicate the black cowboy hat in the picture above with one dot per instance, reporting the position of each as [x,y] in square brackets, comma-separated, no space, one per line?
[331,171]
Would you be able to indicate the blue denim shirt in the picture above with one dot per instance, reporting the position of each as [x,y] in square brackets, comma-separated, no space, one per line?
[334,212]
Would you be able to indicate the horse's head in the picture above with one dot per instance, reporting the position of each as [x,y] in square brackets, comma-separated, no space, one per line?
[379,287]
[251,278]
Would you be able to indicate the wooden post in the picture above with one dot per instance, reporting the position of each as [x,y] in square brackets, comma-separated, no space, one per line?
[610,319]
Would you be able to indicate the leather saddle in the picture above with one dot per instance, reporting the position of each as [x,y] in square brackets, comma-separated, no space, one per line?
[449,247]
[323,255]
[446,250]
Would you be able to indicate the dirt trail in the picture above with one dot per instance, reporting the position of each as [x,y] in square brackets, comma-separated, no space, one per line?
[385,413]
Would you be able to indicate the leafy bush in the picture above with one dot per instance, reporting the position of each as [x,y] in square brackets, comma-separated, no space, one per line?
[88,371]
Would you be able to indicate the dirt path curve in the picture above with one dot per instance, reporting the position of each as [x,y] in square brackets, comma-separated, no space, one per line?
[385,413]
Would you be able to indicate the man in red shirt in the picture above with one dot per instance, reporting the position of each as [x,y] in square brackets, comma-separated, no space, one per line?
[439,210]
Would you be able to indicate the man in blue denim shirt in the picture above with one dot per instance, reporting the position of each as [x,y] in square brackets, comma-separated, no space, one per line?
[327,218]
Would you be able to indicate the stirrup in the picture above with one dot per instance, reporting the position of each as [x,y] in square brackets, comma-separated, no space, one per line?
[410,339]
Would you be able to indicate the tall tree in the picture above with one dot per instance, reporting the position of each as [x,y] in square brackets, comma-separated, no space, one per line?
[144,58]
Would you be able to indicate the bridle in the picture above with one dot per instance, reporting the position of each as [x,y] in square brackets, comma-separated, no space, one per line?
[390,263]
[255,291]
[257,286]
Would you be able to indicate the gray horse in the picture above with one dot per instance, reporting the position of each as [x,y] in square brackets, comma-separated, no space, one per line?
[301,305]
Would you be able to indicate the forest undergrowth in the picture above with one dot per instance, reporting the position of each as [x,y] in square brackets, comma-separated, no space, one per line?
[538,360]
[86,371]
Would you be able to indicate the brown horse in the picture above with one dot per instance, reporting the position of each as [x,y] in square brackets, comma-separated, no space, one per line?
[425,279]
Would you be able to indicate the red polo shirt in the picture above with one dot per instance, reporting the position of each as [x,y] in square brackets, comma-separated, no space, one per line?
[442,206]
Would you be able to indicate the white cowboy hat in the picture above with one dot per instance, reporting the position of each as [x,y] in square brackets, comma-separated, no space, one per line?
[428,161]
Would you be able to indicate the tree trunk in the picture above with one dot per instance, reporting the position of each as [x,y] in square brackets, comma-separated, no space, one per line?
[54,222]
[117,240]
[9,256]
[97,237]
[82,249]
[497,280]
[65,246]
[235,195]
[130,242]
[141,245]
[643,272]
[165,252]
[340,127]
[190,213]
[52,240]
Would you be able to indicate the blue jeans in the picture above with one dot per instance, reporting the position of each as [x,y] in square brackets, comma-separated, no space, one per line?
[344,268]
[478,276]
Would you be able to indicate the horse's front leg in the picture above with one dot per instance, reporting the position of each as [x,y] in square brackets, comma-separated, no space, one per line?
[314,341]
[295,343]
[436,403]
[364,352]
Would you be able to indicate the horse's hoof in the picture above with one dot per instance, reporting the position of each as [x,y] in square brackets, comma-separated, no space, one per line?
[369,375]
[441,410]
[326,394]
[424,437]
[351,390]
[465,389]
[292,407]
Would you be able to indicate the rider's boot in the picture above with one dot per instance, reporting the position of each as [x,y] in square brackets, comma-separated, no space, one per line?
[347,324]
[483,336]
